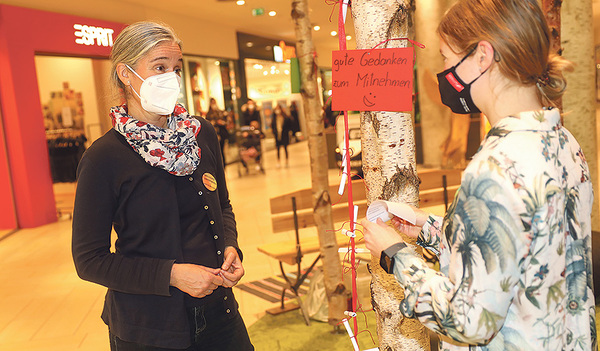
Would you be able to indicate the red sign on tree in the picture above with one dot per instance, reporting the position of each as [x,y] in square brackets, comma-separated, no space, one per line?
[372,80]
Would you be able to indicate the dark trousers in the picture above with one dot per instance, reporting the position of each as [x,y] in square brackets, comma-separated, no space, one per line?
[279,146]
[210,331]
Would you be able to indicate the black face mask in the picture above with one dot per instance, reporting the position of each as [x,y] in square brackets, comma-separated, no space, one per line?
[455,93]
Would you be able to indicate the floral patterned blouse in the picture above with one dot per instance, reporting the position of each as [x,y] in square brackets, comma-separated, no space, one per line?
[514,247]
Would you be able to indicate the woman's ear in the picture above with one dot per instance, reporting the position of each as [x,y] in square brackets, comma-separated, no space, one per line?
[484,55]
[123,73]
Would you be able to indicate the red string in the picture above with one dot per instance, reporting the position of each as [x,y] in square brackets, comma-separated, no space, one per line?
[342,46]
[422,46]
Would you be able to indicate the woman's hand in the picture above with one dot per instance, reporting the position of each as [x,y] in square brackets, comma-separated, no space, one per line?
[379,236]
[195,280]
[231,270]
[411,230]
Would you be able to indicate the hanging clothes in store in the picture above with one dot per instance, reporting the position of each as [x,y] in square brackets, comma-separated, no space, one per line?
[65,149]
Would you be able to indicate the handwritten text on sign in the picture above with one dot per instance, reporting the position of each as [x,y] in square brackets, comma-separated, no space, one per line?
[372,80]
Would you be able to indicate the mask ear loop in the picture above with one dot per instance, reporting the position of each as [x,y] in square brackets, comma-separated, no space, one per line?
[464,58]
[131,86]
[469,54]
[134,72]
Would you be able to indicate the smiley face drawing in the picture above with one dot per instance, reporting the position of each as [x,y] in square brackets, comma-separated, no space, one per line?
[368,102]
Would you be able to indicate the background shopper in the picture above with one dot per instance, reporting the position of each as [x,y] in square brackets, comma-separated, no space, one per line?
[218,119]
[250,113]
[514,247]
[281,125]
[176,257]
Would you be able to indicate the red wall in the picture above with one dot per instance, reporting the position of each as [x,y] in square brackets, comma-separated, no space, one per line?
[26,195]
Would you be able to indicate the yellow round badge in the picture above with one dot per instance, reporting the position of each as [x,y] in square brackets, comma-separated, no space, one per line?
[209,181]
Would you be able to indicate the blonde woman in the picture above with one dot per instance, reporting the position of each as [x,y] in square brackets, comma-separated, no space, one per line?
[515,245]
[157,179]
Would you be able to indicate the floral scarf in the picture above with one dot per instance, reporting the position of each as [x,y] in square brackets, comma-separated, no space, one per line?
[173,149]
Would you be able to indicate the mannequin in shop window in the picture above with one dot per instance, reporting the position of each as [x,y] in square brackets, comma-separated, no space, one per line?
[515,245]
[281,126]
[157,179]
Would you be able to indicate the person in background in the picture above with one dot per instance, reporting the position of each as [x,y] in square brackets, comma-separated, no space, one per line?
[217,118]
[250,146]
[157,179]
[515,245]
[281,125]
[250,113]
[295,120]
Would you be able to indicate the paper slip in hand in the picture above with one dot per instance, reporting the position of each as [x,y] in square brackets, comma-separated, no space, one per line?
[386,210]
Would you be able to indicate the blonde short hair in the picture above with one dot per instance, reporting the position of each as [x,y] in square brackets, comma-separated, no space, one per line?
[134,42]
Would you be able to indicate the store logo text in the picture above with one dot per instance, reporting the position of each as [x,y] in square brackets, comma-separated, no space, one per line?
[89,35]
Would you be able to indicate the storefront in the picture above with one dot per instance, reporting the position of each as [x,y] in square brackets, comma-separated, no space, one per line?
[265,76]
[50,83]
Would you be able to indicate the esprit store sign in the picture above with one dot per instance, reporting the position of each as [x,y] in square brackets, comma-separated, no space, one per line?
[90,35]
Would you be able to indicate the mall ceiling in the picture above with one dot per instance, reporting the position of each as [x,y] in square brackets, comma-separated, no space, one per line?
[280,26]
[322,13]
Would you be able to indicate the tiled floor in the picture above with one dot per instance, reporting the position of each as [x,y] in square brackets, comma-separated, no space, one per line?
[45,306]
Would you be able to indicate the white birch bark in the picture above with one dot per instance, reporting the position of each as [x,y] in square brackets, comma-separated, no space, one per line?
[389,166]
[332,267]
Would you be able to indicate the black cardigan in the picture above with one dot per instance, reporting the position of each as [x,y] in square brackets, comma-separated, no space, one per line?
[117,189]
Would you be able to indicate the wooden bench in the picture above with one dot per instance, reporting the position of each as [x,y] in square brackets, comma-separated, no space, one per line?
[294,211]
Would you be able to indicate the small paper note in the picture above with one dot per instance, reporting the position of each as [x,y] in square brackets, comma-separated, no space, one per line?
[386,210]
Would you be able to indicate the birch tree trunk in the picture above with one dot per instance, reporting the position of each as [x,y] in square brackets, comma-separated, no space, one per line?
[332,267]
[579,99]
[389,166]
[551,9]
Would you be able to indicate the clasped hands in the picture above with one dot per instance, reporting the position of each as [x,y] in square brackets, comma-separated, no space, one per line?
[200,281]
[379,236]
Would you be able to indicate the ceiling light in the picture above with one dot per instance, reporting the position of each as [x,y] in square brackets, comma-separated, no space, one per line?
[249,44]
[272,13]
[348,37]
[317,28]
[217,63]
[265,73]
[333,33]
[257,66]
[240,2]
[286,71]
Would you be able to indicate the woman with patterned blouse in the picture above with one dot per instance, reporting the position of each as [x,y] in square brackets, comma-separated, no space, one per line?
[515,245]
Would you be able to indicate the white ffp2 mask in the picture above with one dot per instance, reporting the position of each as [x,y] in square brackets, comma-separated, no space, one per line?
[158,93]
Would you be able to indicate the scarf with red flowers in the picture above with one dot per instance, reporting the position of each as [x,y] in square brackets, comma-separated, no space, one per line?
[173,149]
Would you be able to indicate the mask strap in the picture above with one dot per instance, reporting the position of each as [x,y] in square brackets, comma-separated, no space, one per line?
[131,86]
[482,73]
[459,62]
[134,72]
[464,58]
